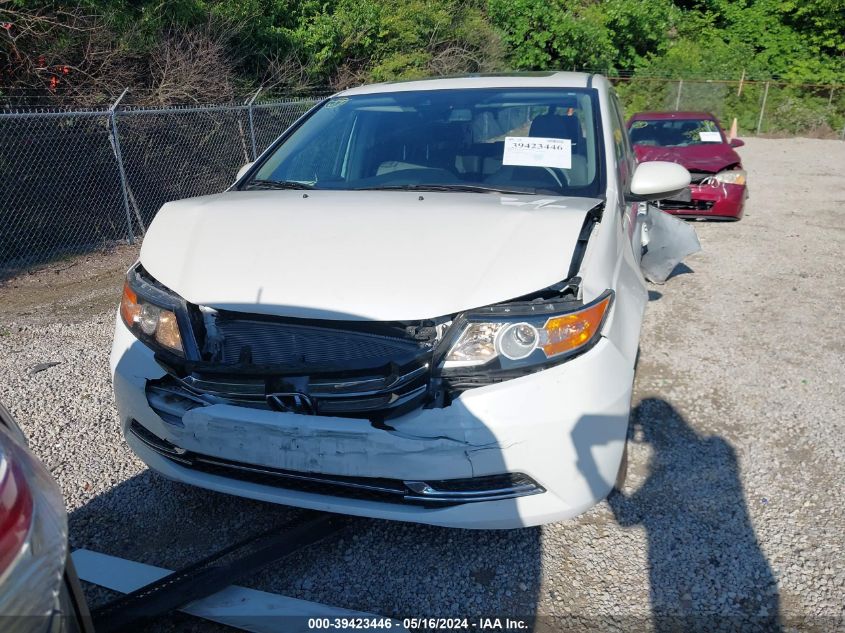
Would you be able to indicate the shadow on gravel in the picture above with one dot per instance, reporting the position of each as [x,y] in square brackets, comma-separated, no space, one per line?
[381,567]
[706,569]
[680,269]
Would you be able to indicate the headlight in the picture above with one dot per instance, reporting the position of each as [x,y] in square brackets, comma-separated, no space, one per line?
[152,322]
[730,177]
[524,338]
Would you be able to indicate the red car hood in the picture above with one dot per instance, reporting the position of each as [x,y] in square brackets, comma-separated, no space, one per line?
[710,157]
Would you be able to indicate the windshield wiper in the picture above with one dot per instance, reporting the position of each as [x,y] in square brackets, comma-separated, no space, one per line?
[277,184]
[447,187]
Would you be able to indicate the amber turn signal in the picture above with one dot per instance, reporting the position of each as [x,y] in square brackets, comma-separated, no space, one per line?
[130,309]
[568,332]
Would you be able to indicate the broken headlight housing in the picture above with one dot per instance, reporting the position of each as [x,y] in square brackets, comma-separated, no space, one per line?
[150,313]
[525,336]
[729,177]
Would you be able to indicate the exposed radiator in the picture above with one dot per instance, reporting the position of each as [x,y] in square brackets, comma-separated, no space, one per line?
[280,343]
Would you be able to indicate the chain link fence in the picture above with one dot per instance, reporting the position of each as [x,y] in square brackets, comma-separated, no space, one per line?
[75,181]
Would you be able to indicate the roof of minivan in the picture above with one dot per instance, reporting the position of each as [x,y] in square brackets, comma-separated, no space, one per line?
[512,80]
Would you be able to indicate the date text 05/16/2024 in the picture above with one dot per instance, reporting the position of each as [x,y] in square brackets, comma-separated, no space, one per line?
[415,624]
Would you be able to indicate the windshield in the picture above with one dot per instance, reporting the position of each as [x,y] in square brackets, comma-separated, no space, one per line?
[675,132]
[512,140]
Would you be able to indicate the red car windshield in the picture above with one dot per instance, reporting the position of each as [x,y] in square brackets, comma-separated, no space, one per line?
[675,132]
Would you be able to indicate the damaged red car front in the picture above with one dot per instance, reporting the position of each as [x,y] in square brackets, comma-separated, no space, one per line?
[696,141]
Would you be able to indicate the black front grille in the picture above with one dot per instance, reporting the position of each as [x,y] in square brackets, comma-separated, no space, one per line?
[268,342]
[699,176]
[364,396]
[366,369]
[692,205]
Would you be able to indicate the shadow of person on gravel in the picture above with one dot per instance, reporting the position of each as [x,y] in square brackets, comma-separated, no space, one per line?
[706,569]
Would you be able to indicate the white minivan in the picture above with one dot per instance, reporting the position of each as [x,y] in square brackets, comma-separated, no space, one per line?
[422,302]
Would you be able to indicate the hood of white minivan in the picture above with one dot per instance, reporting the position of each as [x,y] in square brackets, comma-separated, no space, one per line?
[375,255]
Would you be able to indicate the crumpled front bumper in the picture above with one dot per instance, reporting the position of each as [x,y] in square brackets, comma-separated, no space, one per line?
[563,427]
[722,201]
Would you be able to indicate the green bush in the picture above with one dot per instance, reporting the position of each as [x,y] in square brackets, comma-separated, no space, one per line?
[226,48]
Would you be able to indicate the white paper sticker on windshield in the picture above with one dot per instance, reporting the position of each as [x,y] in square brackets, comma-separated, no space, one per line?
[529,151]
[710,137]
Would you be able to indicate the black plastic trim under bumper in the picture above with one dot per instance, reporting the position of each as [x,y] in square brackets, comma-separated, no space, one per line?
[432,493]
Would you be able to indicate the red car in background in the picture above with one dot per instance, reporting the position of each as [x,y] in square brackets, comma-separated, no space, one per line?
[696,141]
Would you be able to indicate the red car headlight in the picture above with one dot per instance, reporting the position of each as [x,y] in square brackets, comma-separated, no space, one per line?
[729,177]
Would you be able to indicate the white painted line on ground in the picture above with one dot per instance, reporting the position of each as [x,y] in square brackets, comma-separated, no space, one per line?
[247,609]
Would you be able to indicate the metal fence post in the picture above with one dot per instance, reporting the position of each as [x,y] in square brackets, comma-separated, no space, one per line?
[115,144]
[252,124]
[678,98]
[762,109]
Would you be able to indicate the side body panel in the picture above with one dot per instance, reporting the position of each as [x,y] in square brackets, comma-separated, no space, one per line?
[609,261]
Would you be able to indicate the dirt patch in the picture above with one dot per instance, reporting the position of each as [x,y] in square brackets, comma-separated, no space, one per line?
[72,289]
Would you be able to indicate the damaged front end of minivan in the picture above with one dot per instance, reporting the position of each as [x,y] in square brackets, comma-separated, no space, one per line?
[352,369]
[467,419]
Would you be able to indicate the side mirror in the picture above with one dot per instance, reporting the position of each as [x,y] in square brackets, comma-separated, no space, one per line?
[656,180]
[737,142]
[243,170]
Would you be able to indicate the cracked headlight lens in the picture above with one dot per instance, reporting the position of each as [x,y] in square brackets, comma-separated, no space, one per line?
[522,340]
[730,177]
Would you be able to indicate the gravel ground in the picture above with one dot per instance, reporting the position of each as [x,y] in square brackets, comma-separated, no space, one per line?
[735,500]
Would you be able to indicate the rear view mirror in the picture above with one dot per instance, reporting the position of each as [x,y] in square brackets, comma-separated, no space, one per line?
[243,170]
[656,180]
[737,142]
